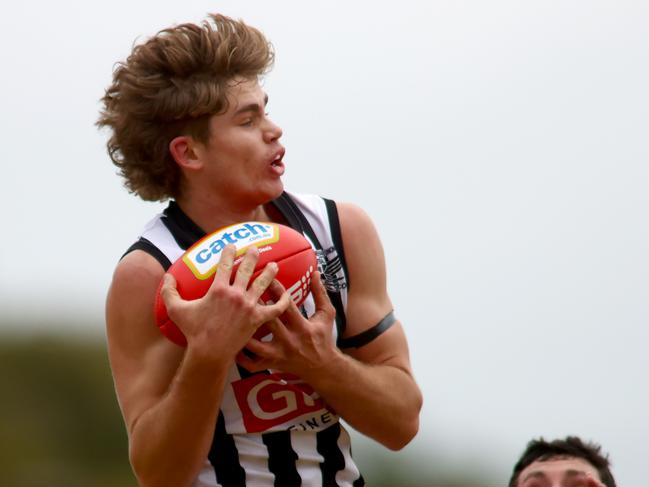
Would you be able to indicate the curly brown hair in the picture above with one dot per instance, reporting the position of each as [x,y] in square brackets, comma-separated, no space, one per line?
[169,86]
[572,446]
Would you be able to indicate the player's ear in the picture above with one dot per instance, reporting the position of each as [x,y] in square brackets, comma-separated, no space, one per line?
[185,151]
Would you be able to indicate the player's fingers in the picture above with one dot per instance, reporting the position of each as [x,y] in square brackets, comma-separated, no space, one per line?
[275,290]
[251,364]
[263,350]
[224,267]
[247,267]
[170,296]
[289,310]
[254,357]
[168,290]
[271,311]
[277,328]
[322,302]
[263,280]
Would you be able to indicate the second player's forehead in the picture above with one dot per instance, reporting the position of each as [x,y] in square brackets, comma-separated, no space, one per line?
[556,468]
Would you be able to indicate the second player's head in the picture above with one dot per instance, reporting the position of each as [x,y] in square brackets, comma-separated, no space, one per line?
[568,462]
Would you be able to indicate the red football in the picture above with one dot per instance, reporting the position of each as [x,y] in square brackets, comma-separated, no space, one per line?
[194,271]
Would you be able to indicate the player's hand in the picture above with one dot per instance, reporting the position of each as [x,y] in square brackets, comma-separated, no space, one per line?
[298,346]
[226,317]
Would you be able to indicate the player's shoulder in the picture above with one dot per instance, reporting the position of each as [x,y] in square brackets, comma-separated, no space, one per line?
[135,279]
[349,214]
[137,265]
[356,225]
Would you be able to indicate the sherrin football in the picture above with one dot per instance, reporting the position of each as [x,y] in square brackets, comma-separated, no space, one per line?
[194,270]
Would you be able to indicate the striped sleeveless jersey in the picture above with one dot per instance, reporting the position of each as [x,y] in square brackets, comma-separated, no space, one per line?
[273,429]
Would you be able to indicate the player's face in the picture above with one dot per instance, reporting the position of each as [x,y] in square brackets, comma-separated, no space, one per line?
[243,157]
[560,472]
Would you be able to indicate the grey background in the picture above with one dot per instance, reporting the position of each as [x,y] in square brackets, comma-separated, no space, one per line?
[500,148]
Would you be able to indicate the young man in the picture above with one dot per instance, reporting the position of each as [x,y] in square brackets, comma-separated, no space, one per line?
[562,463]
[188,122]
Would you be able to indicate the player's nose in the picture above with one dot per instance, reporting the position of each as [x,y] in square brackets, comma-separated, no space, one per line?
[272,131]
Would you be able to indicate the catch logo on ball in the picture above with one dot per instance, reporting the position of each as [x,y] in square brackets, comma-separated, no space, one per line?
[202,259]
[194,271]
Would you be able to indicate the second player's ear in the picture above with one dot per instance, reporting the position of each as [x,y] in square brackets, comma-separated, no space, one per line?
[185,151]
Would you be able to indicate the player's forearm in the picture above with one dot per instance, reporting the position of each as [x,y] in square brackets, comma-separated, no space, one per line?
[380,401]
[169,442]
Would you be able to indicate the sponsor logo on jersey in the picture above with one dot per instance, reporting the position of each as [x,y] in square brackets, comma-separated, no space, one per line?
[202,259]
[270,400]
[331,270]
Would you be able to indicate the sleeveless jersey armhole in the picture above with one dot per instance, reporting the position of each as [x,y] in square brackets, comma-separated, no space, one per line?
[152,250]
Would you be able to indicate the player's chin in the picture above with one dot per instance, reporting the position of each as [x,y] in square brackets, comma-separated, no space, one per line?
[273,189]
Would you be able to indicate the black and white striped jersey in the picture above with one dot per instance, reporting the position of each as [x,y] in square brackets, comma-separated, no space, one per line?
[273,429]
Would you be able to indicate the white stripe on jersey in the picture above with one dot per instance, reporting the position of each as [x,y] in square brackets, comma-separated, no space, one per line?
[308,462]
[158,234]
[206,477]
[351,472]
[251,448]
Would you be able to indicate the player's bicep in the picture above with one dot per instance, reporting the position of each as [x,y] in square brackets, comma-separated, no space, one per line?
[142,361]
[373,333]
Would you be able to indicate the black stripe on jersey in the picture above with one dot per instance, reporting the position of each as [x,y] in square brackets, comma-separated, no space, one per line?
[327,441]
[298,221]
[245,373]
[224,457]
[336,234]
[184,231]
[152,250]
[295,218]
[368,335]
[282,458]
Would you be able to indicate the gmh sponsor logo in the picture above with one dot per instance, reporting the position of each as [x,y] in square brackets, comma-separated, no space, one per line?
[268,400]
[202,259]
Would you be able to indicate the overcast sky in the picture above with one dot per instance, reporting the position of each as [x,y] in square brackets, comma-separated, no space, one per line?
[500,147]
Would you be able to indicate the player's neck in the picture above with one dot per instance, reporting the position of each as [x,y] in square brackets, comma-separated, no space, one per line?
[210,213]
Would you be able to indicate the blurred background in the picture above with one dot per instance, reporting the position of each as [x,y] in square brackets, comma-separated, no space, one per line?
[501,149]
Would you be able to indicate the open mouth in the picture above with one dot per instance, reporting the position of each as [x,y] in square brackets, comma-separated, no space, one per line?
[276,163]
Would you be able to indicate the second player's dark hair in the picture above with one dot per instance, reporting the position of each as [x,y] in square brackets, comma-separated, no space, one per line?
[572,446]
